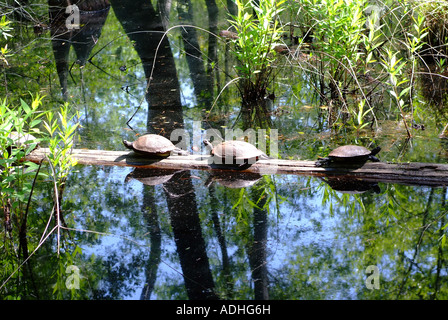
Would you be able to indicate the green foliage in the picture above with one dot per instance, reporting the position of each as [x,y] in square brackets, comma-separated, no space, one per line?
[17,175]
[435,15]
[350,37]
[338,29]
[16,180]
[306,259]
[259,31]
[358,119]
[22,120]
[5,28]
[4,32]
[401,85]
[61,131]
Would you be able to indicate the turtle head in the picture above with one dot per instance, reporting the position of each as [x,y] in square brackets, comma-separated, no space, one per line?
[207,143]
[322,162]
[375,151]
[127,144]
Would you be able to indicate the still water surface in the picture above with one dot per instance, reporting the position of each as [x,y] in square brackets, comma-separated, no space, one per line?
[284,237]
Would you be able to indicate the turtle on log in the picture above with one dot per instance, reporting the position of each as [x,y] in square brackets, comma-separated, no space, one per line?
[234,154]
[153,146]
[349,154]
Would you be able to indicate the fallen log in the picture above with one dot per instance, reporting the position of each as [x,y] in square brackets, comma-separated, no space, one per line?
[426,174]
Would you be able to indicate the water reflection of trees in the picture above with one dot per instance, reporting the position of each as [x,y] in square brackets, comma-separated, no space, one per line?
[398,231]
[165,114]
[163,96]
[371,233]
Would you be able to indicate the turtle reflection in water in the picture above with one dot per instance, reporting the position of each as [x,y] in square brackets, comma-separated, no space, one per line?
[153,146]
[232,179]
[349,154]
[234,154]
[350,185]
[150,176]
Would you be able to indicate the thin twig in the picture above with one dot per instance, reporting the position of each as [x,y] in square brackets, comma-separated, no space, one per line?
[22,230]
[26,260]
[56,205]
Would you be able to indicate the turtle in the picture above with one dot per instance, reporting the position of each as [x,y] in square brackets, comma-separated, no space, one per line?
[153,146]
[349,154]
[233,179]
[350,185]
[234,153]
[151,176]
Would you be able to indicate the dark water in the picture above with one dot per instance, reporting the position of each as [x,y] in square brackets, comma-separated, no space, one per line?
[282,237]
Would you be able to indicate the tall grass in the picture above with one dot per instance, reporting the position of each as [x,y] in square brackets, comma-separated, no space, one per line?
[367,48]
[15,178]
[18,177]
[337,28]
[4,32]
[258,32]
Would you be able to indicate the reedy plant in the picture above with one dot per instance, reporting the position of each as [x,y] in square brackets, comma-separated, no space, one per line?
[18,176]
[435,13]
[15,185]
[359,115]
[349,42]
[259,31]
[61,161]
[337,31]
[61,132]
[16,188]
[4,32]
[401,83]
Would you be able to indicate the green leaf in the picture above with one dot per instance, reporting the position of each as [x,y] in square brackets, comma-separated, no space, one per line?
[34,123]
[443,240]
[25,107]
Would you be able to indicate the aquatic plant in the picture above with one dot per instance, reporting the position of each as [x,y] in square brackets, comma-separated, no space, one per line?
[16,187]
[258,32]
[366,48]
[61,139]
[4,32]
[435,15]
[19,177]
[336,29]
[400,82]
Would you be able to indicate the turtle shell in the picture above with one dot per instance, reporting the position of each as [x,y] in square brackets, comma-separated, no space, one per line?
[236,180]
[349,154]
[151,144]
[350,151]
[350,185]
[235,149]
[151,177]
